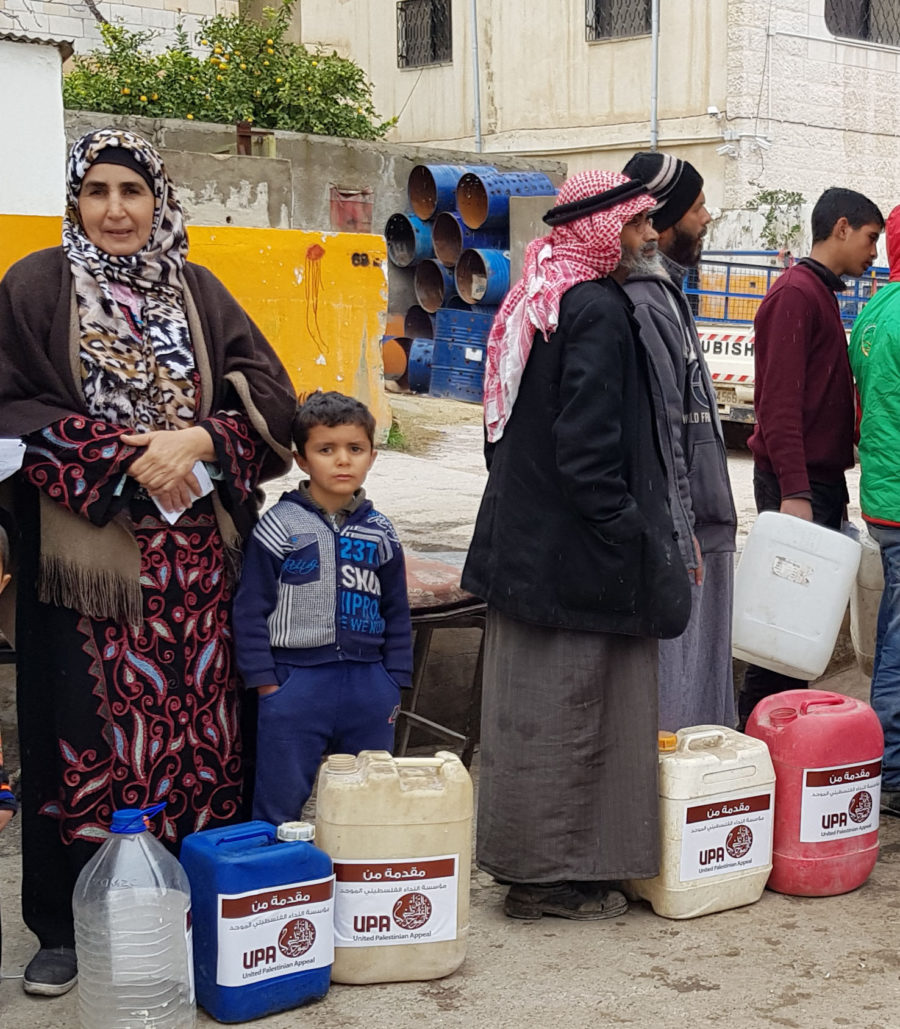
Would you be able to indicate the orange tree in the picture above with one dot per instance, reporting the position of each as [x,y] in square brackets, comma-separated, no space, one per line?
[238,70]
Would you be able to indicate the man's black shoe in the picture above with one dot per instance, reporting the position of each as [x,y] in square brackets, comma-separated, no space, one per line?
[577,900]
[890,802]
[52,972]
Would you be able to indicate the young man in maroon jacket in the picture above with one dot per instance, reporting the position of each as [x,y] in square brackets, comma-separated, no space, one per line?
[804,397]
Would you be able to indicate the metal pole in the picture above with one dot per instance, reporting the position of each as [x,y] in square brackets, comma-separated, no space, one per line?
[654,74]
[476,77]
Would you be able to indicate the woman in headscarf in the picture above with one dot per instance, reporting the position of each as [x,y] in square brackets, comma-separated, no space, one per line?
[574,553]
[131,375]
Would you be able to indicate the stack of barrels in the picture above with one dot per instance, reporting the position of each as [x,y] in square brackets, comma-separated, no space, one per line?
[454,241]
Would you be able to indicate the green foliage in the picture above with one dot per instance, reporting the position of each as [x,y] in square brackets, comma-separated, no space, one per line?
[245,71]
[396,438]
[781,216]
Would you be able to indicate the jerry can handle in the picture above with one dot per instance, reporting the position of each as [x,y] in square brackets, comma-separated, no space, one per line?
[420,762]
[805,705]
[239,836]
[687,741]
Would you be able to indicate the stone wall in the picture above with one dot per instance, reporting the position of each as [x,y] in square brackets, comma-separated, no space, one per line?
[829,107]
[74,20]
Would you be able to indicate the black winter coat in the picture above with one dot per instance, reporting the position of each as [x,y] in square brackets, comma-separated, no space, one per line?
[574,529]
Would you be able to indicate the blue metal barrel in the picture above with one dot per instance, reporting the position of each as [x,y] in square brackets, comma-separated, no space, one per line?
[463,355]
[432,187]
[470,327]
[482,276]
[433,284]
[418,323]
[483,197]
[490,309]
[419,367]
[450,236]
[458,384]
[408,239]
[457,303]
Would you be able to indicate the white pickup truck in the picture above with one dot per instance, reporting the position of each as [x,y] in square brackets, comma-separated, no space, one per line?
[728,350]
[725,292]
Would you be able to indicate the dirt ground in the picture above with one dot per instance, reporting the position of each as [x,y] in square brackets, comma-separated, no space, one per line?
[795,962]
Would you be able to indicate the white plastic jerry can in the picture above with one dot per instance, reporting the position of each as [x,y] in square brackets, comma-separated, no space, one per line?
[716,796]
[399,831]
[790,594]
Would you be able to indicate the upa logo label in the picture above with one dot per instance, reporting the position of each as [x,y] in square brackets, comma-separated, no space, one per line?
[834,818]
[739,841]
[712,856]
[371,924]
[840,803]
[386,903]
[260,956]
[412,911]
[860,806]
[296,937]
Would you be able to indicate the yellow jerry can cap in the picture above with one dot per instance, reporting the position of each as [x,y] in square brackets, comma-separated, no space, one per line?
[667,742]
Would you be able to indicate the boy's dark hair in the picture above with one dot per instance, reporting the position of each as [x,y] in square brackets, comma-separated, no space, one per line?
[838,203]
[330,409]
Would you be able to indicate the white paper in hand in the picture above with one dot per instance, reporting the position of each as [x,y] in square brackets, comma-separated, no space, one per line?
[12,452]
[205,484]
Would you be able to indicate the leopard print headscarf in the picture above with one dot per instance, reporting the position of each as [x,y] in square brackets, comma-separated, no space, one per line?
[136,371]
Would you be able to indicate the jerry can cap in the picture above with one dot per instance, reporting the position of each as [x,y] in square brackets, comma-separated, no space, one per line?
[290,831]
[667,742]
[130,820]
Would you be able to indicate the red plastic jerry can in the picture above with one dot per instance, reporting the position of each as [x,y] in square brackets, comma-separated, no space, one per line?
[826,750]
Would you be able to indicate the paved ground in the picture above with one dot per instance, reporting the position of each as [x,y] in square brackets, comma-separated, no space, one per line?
[784,961]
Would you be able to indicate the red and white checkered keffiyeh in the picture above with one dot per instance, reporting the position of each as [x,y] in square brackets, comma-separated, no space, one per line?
[578,251]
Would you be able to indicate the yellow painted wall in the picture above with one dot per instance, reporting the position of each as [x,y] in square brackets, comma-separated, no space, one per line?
[319,298]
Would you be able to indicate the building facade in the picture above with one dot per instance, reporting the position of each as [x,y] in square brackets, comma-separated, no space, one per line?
[760,94]
[795,95]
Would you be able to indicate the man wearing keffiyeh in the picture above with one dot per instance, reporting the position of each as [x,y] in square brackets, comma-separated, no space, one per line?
[574,552]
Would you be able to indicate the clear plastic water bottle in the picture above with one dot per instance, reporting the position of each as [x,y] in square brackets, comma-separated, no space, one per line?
[132,906]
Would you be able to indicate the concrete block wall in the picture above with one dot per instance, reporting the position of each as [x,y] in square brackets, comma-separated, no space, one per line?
[317,162]
[292,189]
[829,106]
[74,20]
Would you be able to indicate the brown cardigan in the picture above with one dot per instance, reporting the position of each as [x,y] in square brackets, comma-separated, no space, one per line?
[40,384]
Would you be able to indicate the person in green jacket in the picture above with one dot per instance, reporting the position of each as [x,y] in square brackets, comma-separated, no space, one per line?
[875,360]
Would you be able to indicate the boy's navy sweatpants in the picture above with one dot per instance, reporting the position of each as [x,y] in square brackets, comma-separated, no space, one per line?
[338,708]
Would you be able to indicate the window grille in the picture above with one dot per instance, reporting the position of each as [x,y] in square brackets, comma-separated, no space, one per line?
[876,21]
[611,19]
[423,33]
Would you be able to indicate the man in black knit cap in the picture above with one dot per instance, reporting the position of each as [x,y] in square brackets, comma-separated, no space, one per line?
[695,676]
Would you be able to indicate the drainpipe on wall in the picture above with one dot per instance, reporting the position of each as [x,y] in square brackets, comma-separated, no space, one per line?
[654,74]
[476,77]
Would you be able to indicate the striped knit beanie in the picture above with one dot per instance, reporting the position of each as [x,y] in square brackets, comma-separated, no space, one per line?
[673,183]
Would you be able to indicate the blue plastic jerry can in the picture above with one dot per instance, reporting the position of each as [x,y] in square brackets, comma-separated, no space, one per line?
[263,903]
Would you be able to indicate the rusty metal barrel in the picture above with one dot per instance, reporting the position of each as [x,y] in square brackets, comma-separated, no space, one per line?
[482,197]
[450,236]
[408,239]
[433,284]
[432,187]
[482,276]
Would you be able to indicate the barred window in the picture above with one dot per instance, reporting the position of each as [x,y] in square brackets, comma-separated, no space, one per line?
[423,33]
[610,19]
[876,21]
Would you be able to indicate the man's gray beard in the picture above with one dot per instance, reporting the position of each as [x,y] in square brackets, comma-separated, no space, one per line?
[637,263]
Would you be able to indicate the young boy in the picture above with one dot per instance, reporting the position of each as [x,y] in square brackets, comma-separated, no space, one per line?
[321,617]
